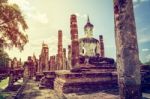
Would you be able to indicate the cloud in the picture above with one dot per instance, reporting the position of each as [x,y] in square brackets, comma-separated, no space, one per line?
[30,11]
[39,17]
[144,35]
[84,16]
[145,49]
[144,29]
[138,2]
[144,39]
[143,0]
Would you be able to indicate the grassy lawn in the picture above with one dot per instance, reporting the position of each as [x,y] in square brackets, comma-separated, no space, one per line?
[3,96]
[4,83]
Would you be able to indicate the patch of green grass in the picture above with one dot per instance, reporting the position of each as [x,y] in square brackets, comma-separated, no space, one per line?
[3,96]
[4,83]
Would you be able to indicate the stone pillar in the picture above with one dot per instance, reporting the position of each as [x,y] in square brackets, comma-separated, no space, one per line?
[52,63]
[74,41]
[38,70]
[129,78]
[39,73]
[69,58]
[30,65]
[46,54]
[44,57]
[10,64]
[34,62]
[64,59]
[15,63]
[40,65]
[102,50]
[60,49]
[56,62]
[19,63]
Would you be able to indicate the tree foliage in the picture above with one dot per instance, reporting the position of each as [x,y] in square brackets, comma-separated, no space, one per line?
[4,58]
[12,26]
[148,63]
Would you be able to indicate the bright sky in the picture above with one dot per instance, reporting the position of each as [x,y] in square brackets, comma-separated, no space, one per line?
[45,18]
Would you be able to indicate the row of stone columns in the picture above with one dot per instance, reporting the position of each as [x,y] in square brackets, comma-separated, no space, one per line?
[73,49]
[61,61]
[14,64]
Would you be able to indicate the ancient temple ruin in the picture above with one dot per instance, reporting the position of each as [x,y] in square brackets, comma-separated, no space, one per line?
[85,60]
[84,67]
[87,68]
[90,69]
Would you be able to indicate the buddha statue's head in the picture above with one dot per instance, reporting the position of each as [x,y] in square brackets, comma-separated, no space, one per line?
[88,28]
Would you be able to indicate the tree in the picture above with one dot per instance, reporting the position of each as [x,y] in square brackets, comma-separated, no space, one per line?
[12,26]
[4,59]
[148,63]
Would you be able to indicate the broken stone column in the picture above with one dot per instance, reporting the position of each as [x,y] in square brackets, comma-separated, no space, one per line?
[64,59]
[35,62]
[39,70]
[102,50]
[56,62]
[39,73]
[31,69]
[129,78]
[69,58]
[10,64]
[60,49]
[19,63]
[15,63]
[52,63]
[46,57]
[74,41]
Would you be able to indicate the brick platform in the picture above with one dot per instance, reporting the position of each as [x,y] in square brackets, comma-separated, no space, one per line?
[85,79]
[47,81]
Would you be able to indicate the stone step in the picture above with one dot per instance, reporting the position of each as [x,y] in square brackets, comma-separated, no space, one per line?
[68,82]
